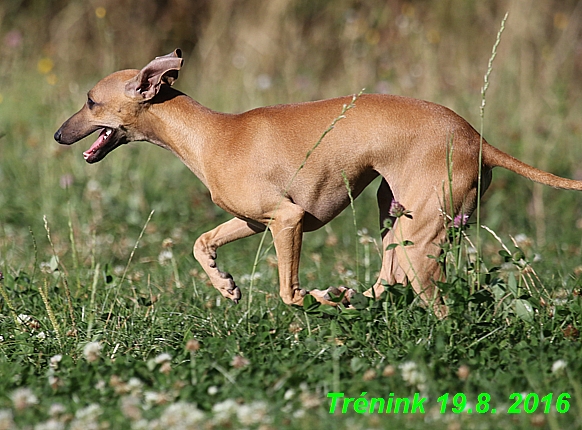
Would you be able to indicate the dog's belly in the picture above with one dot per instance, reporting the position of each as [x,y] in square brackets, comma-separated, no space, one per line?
[326,201]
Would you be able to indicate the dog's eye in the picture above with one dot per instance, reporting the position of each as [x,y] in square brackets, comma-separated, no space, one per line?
[90,102]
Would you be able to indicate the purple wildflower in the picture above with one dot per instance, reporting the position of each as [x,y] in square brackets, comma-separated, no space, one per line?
[460,220]
[397,210]
[13,39]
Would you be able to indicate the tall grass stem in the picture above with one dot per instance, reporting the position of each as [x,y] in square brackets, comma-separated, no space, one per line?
[118,286]
[349,189]
[481,129]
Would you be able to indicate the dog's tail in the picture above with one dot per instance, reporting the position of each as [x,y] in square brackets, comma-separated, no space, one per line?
[493,157]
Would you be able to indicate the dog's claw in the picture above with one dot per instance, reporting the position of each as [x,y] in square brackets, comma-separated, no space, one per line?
[303,292]
[224,275]
[235,294]
[347,297]
[333,290]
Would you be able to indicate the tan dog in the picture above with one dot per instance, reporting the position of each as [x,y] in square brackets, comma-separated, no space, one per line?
[248,160]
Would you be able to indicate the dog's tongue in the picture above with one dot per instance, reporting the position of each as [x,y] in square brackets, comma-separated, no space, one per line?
[98,144]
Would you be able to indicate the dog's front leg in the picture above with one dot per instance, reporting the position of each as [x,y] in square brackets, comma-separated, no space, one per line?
[205,252]
[286,226]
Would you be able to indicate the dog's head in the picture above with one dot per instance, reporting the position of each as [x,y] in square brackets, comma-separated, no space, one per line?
[114,103]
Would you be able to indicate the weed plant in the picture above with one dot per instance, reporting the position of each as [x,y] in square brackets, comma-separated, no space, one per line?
[106,321]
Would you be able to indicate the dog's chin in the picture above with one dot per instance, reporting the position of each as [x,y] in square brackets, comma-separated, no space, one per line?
[108,140]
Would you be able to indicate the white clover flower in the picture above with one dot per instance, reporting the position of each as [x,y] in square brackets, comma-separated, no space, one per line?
[299,413]
[559,366]
[166,368]
[181,415]
[289,394]
[144,424]
[89,413]
[365,237]
[87,418]
[165,256]
[134,385]
[253,413]
[238,362]
[162,358]
[28,321]
[55,360]
[23,398]
[41,335]
[51,424]
[412,375]
[408,370]
[223,411]
[6,419]
[56,410]
[45,268]
[130,407]
[155,398]
[309,400]
[522,240]
[91,351]
[212,390]
[54,381]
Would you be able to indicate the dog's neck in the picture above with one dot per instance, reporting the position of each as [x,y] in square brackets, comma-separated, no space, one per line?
[180,124]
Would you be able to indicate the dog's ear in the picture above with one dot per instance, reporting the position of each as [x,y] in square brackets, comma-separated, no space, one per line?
[161,70]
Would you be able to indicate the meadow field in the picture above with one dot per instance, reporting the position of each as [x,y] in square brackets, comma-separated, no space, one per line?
[108,322]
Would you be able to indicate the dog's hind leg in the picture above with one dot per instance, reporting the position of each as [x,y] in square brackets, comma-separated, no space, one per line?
[408,245]
[417,244]
[390,271]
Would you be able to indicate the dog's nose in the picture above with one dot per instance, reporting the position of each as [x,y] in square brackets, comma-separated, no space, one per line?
[58,135]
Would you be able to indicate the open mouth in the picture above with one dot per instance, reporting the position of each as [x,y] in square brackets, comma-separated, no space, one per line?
[105,143]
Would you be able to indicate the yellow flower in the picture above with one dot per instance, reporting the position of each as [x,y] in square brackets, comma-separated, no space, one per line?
[100,12]
[45,65]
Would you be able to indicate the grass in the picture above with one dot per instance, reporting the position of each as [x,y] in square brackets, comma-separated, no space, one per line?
[106,320]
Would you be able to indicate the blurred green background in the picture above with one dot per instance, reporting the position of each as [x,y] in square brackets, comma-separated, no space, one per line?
[240,54]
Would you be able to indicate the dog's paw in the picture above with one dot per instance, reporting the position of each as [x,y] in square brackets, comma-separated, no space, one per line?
[331,295]
[336,292]
[231,291]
